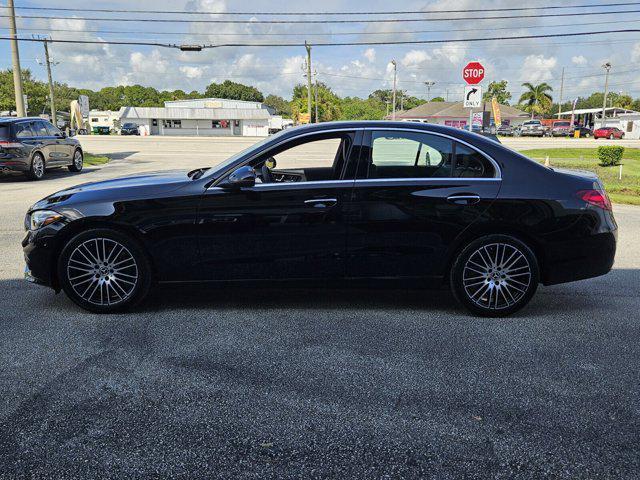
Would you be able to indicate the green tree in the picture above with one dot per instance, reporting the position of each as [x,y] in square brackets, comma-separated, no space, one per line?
[234,91]
[437,99]
[498,90]
[329,107]
[354,108]
[279,104]
[536,99]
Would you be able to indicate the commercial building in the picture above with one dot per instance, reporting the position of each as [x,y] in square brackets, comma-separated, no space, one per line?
[592,117]
[454,114]
[205,116]
[104,118]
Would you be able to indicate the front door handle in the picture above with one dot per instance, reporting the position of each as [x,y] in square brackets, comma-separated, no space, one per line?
[464,199]
[321,202]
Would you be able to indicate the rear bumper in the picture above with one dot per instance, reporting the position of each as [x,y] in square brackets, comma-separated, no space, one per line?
[579,259]
[12,164]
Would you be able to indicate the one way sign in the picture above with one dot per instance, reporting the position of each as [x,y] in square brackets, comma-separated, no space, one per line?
[472,96]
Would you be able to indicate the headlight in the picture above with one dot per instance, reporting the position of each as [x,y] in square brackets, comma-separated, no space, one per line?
[42,218]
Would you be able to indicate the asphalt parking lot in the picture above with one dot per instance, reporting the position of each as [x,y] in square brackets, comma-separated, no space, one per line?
[295,383]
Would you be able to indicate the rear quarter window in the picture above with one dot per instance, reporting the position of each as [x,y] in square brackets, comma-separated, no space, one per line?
[5,132]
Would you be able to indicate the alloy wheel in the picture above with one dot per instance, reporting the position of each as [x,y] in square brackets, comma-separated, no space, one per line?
[77,160]
[102,271]
[496,276]
[38,166]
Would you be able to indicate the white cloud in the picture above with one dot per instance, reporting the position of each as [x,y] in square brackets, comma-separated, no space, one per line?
[635,52]
[537,68]
[370,54]
[579,60]
[192,72]
[415,58]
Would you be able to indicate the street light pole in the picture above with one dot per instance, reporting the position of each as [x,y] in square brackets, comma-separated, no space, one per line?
[316,75]
[395,76]
[15,59]
[53,103]
[429,85]
[308,47]
[607,67]
[561,92]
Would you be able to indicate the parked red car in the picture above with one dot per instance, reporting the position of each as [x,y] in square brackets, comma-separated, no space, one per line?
[608,132]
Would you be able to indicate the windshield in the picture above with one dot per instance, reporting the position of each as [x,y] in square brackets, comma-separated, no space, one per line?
[562,124]
[234,158]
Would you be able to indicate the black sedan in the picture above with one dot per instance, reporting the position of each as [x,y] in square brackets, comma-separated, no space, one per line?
[414,203]
[34,145]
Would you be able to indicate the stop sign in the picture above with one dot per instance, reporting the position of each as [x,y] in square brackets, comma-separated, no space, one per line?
[473,73]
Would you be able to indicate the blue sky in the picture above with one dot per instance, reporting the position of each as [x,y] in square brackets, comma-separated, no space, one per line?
[349,70]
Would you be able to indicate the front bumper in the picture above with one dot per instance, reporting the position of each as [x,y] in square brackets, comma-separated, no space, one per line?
[39,255]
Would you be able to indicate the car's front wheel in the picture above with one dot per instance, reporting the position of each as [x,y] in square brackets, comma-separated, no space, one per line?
[104,271]
[495,275]
[78,161]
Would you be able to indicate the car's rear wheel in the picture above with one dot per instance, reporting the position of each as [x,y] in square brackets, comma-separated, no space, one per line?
[495,275]
[78,162]
[104,271]
[37,168]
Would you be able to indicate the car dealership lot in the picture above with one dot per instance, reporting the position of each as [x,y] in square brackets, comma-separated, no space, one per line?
[303,383]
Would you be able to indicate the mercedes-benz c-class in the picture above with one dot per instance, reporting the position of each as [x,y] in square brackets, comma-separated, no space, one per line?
[369,202]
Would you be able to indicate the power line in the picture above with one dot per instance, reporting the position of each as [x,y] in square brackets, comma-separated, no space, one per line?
[383,20]
[389,12]
[333,44]
[255,34]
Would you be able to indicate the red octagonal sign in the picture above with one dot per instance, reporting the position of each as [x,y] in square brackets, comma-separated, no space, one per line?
[473,73]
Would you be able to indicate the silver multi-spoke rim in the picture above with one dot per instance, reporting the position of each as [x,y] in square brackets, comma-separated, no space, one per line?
[496,276]
[102,271]
[38,166]
[77,160]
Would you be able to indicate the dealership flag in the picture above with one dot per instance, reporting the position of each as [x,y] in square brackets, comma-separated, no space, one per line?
[497,118]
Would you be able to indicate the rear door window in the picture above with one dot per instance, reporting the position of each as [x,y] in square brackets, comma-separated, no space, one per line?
[409,155]
[40,129]
[23,130]
[471,164]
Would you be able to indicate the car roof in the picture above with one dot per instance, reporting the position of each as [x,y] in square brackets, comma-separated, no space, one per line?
[20,119]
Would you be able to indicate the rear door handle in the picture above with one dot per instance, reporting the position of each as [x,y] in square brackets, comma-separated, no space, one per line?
[321,202]
[464,199]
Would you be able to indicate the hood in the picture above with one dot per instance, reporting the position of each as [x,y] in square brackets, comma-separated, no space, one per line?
[142,185]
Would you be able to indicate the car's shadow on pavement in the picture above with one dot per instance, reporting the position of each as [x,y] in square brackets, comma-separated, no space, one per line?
[54,174]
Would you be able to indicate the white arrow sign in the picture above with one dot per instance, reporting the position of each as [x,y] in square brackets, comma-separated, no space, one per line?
[472,96]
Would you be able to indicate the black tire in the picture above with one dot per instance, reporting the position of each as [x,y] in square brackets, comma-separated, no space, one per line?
[467,282]
[77,162]
[111,287]
[37,167]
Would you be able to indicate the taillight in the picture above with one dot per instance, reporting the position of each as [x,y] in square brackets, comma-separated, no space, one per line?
[4,144]
[596,198]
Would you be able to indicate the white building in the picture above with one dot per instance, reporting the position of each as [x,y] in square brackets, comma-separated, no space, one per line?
[204,116]
[104,118]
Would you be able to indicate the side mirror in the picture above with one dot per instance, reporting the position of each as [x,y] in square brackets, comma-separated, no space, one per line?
[242,177]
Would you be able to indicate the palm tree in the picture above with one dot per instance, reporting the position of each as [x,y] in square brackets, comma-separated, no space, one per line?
[536,98]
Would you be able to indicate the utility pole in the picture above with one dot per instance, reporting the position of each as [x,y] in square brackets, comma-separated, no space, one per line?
[429,85]
[316,75]
[53,103]
[15,58]
[447,94]
[561,91]
[401,101]
[395,76]
[308,47]
[607,67]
